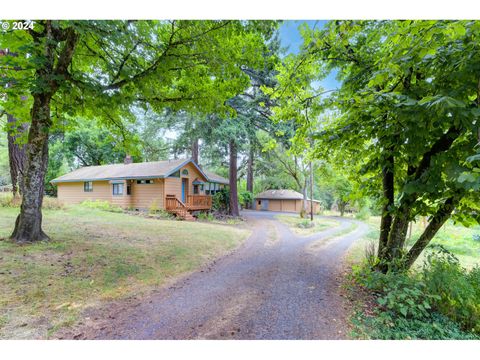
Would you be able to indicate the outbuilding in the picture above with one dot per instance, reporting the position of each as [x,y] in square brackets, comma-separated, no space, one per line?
[284,200]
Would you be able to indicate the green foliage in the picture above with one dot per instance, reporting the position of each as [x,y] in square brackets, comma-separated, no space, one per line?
[221,201]
[245,198]
[205,216]
[101,205]
[457,290]
[305,224]
[407,105]
[440,302]
[387,327]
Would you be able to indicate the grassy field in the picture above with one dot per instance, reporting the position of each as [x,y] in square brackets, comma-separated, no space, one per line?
[95,256]
[295,223]
[456,238]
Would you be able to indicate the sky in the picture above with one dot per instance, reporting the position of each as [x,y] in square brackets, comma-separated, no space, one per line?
[290,37]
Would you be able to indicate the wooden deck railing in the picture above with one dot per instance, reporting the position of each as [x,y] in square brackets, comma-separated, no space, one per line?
[172,204]
[200,202]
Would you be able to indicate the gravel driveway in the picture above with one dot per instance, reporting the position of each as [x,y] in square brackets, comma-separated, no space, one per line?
[276,286]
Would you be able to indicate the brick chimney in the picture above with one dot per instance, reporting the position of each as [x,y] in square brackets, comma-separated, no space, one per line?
[128,160]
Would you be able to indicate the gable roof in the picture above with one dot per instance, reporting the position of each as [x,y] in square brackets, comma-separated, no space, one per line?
[212,177]
[281,194]
[146,170]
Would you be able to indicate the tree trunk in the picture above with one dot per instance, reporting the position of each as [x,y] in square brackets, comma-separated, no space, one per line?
[303,213]
[250,173]
[341,207]
[16,154]
[398,234]
[233,179]
[437,222]
[311,191]
[28,226]
[389,198]
[195,151]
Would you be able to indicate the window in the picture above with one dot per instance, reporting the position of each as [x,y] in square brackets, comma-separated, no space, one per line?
[185,172]
[175,174]
[259,202]
[195,189]
[88,186]
[117,189]
[129,189]
[144,181]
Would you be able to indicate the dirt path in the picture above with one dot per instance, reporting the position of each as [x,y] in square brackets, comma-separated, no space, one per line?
[277,286]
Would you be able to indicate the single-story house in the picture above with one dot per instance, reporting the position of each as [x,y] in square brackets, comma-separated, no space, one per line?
[178,186]
[284,200]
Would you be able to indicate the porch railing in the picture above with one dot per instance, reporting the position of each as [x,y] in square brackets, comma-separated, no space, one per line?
[172,204]
[199,201]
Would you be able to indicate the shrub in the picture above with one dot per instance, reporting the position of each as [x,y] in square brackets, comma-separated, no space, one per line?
[305,224]
[245,198]
[205,216]
[456,290]
[101,205]
[221,201]
[441,301]
[153,208]
[363,214]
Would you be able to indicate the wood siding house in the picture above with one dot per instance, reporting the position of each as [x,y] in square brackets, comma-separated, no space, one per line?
[178,186]
[284,201]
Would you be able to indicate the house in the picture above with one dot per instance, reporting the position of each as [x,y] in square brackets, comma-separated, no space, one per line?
[284,200]
[178,186]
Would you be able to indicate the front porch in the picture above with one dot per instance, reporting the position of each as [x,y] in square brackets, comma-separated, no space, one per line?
[184,209]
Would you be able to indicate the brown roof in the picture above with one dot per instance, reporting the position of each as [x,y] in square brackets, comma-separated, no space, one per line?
[281,194]
[155,169]
[212,177]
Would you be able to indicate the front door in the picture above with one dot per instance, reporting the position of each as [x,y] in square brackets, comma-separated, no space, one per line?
[184,190]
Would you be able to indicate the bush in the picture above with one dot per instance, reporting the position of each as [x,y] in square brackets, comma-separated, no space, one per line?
[441,301]
[386,327]
[221,201]
[364,213]
[305,224]
[205,216]
[456,290]
[245,198]
[101,205]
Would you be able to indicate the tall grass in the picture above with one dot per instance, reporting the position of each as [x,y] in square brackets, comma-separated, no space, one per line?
[7,200]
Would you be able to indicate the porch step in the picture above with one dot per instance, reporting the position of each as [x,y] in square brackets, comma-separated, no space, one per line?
[187,217]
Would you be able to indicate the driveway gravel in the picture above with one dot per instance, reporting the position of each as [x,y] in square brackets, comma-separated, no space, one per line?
[278,285]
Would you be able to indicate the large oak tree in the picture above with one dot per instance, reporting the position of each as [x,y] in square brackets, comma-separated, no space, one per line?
[99,69]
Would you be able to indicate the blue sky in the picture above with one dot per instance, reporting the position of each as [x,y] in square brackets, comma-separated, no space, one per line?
[290,37]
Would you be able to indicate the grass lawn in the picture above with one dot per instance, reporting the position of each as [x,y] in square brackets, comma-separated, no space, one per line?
[295,222]
[456,238]
[95,256]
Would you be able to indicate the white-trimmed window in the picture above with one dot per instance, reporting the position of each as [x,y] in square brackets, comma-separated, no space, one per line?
[144,181]
[88,186]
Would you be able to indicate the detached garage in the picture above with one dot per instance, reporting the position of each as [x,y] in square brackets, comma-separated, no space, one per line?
[283,200]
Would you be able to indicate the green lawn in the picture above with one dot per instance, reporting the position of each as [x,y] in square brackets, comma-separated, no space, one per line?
[456,238]
[295,222]
[95,256]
